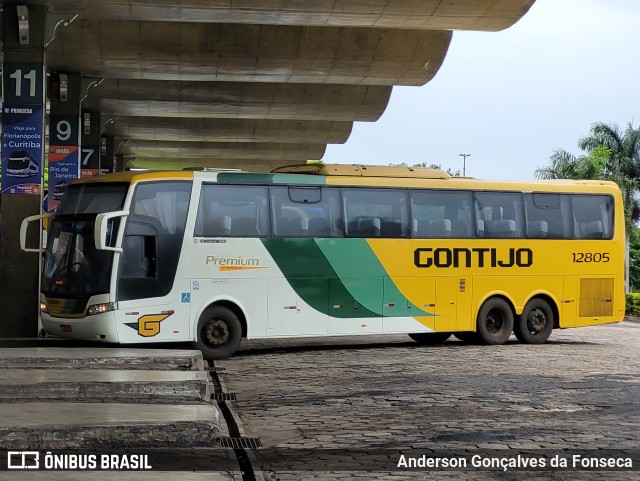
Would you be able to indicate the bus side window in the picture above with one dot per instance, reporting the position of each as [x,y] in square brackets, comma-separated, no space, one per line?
[546,216]
[500,214]
[441,213]
[593,215]
[305,212]
[232,210]
[376,212]
[140,246]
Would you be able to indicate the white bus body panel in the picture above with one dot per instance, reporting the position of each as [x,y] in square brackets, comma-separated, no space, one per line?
[158,319]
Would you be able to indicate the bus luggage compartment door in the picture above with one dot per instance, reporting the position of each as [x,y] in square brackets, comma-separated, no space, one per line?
[290,314]
[355,304]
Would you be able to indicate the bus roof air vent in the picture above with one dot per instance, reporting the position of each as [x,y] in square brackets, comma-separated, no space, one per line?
[211,169]
[358,170]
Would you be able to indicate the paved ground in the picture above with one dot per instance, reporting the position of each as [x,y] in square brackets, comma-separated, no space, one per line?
[374,397]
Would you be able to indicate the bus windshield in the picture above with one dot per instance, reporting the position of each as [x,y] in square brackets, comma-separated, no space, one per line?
[72,265]
[18,164]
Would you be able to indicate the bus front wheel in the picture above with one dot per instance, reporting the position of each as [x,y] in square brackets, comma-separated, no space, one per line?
[219,333]
[536,322]
[495,321]
[429,338]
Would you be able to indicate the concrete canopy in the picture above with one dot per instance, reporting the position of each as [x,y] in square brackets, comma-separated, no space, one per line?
[254,83]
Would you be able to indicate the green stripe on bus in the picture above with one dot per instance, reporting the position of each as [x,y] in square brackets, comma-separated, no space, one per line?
[250,178]
[339,277]
[313,278]
[353,260]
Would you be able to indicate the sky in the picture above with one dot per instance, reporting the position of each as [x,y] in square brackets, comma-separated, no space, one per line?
[510,98]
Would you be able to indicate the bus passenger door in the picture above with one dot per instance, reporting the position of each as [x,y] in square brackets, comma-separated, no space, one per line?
[446,304]
[299,310]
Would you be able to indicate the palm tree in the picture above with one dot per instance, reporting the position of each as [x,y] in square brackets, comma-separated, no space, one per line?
[610,155]
[623,166]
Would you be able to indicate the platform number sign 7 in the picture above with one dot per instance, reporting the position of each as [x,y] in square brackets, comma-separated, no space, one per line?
[87,154]
[23,83]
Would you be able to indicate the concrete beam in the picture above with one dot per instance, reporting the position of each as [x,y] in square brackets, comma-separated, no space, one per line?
[194,150]
[257,53]
[251,165]
[229,130]
[487,15]
[243,100]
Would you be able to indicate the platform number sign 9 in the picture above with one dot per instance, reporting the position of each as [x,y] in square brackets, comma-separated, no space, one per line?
[63,129]
[23,83]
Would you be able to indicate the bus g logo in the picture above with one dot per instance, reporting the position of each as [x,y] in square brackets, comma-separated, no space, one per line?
[149,324]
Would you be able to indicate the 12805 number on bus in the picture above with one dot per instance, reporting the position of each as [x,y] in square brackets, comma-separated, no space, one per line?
[590,256]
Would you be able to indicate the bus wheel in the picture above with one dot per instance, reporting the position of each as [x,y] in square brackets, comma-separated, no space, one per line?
[536,322]
[495,321]
[219,333]
[428,338]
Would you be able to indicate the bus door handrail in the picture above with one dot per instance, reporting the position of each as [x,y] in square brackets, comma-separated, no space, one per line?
[100,230]
[23,231]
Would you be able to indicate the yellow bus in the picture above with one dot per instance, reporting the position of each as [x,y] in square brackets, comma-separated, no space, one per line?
[326,250]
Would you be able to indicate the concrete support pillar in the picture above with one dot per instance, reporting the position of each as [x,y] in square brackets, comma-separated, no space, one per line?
[64,135]
[107,154]
[90,141]
[23,146]
[119,164]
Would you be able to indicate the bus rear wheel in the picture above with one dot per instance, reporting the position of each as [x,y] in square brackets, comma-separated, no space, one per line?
[429,338]
[495,321]
[535,324]
[219,333]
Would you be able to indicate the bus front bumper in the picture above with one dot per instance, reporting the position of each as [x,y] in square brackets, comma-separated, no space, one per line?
[101,327]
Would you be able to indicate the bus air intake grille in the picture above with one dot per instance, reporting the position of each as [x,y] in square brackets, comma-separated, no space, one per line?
[66,307]
[239,443]
[596,297]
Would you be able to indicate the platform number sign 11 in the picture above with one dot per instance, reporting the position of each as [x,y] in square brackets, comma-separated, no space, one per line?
[23,83]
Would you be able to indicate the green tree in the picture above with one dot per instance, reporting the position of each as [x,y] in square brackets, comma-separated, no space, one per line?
[634,260]
[609,154]
[623,165]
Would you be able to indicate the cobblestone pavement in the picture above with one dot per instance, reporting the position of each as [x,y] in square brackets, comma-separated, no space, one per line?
[384,394]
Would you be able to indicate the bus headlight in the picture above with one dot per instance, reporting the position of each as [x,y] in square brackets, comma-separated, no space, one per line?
[100,308]
[43,307]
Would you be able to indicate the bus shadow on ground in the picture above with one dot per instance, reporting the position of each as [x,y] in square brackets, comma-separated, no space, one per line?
[53,342]
[274,346]
[271,346]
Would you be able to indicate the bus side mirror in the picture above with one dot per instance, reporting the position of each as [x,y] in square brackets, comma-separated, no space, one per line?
[101,230]
[23,231]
